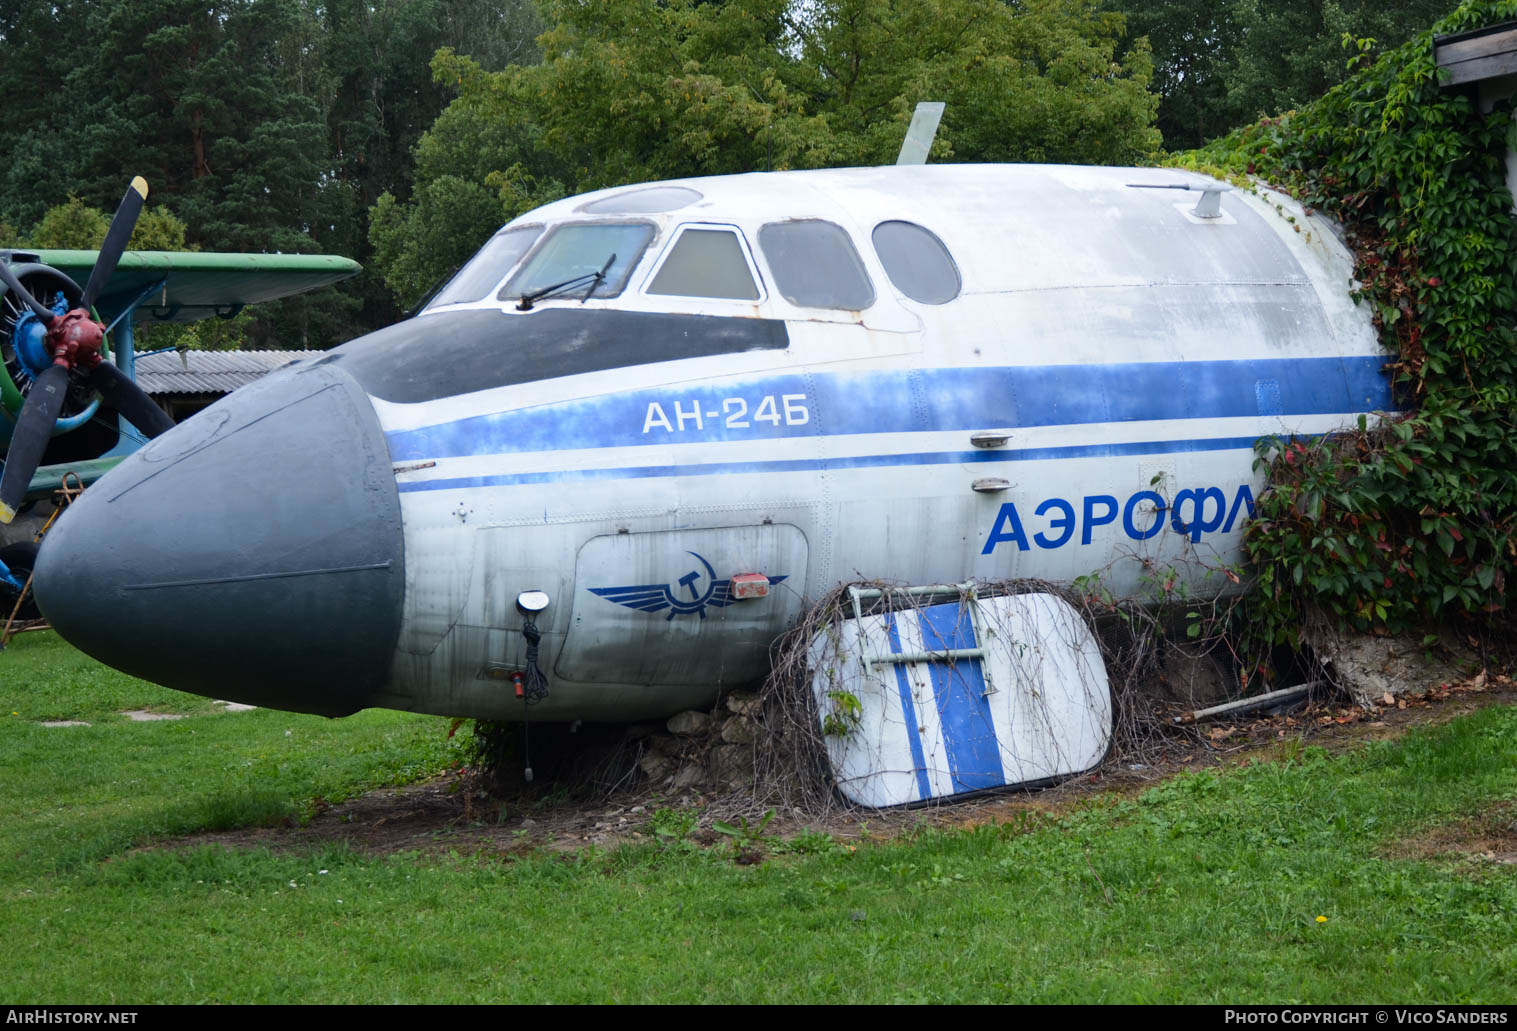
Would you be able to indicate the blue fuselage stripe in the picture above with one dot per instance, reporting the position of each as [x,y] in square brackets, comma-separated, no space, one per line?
[958,688]
[1142,447]
[908,711]
[912,401]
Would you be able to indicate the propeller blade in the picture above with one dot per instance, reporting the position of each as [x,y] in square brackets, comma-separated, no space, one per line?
[43,311]
[124,395]
[116,239]
[33,428]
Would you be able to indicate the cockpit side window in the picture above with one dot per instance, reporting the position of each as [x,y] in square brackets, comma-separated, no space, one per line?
[706,262]
[571,259]
[815,265]
[917,262]
[497,257]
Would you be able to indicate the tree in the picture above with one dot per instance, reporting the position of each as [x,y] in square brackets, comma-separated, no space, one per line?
[637,90]
[266,125]
[1294,52]
[221,106]
[72,225]
[75,225]
[385,96]
[1194,43]
[1221,63]
[41,118]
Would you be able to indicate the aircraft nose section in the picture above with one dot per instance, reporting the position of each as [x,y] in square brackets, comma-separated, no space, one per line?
[252,553]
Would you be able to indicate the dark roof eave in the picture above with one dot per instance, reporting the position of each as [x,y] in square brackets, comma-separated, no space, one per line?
[1477,55]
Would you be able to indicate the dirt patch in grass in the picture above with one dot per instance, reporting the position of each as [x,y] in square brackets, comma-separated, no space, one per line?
[1488,837]
[452,814]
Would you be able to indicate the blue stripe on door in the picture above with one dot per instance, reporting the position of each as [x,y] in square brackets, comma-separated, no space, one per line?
[969,733]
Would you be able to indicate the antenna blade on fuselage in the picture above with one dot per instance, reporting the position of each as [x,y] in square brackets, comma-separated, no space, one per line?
[924,126]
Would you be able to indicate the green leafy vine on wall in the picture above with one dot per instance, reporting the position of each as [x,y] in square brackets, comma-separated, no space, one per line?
[1405,522]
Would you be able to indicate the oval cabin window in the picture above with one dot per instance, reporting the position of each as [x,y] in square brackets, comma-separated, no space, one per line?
[917,262]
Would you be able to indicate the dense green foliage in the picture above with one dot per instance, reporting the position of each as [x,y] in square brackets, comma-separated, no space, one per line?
[296,125]
[300,125]
[1207,888]
[1398,526]
[637,90]
[75,225]
[264,125]
[1220,63]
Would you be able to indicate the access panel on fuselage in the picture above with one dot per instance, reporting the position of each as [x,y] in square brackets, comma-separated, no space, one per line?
[659,608]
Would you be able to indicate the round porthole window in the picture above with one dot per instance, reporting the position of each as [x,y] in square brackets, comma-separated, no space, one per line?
[917,262]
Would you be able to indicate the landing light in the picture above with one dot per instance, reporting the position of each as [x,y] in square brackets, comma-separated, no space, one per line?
[531,602]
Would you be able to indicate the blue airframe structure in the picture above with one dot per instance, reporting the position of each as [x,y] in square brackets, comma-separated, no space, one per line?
[204,282]
[27,341]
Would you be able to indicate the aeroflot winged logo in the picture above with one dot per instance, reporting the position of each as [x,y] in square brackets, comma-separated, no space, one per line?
[683,597]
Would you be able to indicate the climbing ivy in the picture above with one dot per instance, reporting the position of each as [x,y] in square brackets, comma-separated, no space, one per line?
[1408,521]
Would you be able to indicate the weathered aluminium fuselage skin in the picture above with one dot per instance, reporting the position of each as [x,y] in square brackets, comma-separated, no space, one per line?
[354,531]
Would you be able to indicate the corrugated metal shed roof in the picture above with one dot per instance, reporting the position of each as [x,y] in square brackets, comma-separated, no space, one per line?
[209,372]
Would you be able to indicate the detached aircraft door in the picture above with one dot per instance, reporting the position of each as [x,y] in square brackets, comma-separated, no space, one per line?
[672,593]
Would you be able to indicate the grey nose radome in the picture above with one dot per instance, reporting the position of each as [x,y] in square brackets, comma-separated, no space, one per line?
[253,553]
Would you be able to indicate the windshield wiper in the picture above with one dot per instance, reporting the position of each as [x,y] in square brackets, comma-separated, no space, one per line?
[596,279]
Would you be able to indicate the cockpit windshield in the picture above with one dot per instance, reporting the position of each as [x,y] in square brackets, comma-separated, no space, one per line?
[582,251]
[477,278]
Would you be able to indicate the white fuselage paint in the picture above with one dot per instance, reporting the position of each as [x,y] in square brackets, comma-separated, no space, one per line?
[1138,351]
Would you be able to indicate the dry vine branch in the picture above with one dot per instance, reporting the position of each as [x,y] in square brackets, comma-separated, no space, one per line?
[792,772]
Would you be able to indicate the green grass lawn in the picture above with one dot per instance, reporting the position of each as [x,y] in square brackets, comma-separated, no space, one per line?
[1208,888]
